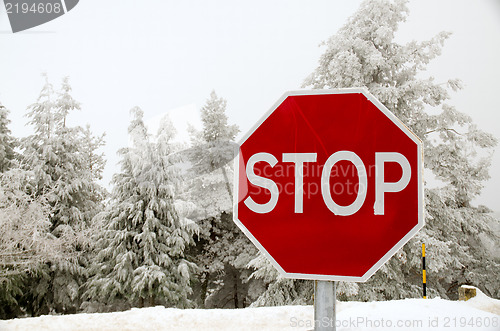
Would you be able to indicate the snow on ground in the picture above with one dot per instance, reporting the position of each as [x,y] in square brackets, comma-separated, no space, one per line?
[479,313]
[483,302]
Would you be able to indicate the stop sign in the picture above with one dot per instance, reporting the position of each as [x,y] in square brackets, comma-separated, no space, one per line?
[329,184]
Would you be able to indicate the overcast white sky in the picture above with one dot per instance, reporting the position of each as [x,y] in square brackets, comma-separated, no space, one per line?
[162,55]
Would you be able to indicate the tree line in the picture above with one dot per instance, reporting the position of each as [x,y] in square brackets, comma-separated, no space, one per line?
[164,235]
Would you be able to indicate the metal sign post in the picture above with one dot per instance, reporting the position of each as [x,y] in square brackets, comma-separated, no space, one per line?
[324,306]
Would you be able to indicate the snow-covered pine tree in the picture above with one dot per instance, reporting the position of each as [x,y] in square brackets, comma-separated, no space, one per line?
[279,291]
[363,53]
[12,202]
[55,155]
[7,141]
[213,147]
[94,162]
[26,241]
[222,250]
[141,260]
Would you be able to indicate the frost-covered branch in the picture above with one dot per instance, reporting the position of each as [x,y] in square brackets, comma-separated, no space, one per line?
[443,129]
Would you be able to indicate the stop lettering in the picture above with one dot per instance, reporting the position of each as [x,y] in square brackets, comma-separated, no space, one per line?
[299,158]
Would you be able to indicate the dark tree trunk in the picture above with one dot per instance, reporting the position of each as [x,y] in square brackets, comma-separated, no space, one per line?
[235,290]
[204,287]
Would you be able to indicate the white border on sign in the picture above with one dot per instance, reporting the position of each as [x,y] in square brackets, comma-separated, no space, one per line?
[396,247]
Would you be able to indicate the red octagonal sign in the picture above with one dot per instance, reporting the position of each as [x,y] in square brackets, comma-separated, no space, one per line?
[329,185]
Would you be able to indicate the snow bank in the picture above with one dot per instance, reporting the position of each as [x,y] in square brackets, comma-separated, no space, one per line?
[480,313]
[160,318]
[483,302]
